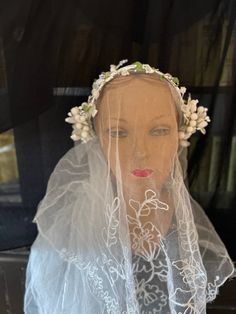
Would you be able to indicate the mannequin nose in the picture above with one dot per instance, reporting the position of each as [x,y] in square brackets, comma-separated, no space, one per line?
[139,149]
[140,154]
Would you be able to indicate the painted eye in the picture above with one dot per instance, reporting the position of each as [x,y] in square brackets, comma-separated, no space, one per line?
[118,133]
[159,131]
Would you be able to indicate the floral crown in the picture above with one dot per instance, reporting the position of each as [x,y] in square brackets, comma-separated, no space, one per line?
[195,118]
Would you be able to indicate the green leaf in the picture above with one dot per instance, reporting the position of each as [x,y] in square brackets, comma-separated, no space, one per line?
[86,108]
[139,66]
[162,77]
[176,80]
[107,74]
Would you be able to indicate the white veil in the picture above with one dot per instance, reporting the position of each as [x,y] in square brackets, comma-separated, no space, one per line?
[118,229]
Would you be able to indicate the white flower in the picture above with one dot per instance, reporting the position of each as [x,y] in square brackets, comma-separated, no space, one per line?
[203,124]
[95,84]
[121,63]
[181,135]
[75,137]
[190,129]
[186,109]
[187,135]
[84,134]
[124,72]
[193,116]
[192,123]
[148,68]
[168,76]
[78,126]
[201,109]
[86,128]
[70,120]
[95,93]
[74,110]
[193,105]
[184,143]
[182,90]
[112,68]
[81,118]
[93,111]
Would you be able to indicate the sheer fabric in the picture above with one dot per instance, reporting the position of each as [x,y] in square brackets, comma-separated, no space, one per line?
[118,230]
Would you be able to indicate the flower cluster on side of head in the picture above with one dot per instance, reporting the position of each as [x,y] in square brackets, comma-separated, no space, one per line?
[81,117]
[81,120]
[195,118]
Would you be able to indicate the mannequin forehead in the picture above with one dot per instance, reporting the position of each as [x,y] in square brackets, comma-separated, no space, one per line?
[137,96]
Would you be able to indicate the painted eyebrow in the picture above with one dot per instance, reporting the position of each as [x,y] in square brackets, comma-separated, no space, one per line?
[161,116]
[117,119]
[155,118]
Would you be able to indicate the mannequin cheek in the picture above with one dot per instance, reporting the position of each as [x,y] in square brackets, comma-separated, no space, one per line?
[117,159]
[163,156]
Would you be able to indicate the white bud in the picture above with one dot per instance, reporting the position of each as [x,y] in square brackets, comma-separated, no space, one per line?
[184,143]
[112,67]
[77,118]
[193,107]
[201,116]
[78,125]
[70,120]
[187,135]
[82,118]
[200,109]
[193,123]
[202,124]
[193,116]
[93,111]
[86,128]
[95,85]
[182,90]
[75,137]
[190,129]
[95,93]
[181,135]
[84,134]
[74,110]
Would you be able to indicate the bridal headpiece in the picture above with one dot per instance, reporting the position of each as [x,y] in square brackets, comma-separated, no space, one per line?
[195,118]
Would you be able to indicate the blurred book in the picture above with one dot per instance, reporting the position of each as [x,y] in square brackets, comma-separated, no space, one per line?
[8,162]
[3,79]
[231,175]
[200,182]
[215,147]
[230,59]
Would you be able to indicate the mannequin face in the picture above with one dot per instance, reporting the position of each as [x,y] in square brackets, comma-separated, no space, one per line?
[137,127]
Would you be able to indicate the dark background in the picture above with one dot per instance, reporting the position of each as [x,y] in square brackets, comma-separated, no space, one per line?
[50,52]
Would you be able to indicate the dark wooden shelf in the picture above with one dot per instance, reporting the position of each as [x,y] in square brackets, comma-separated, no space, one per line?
[226,300]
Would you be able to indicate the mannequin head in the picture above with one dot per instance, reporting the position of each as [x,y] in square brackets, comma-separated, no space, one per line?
[138,130]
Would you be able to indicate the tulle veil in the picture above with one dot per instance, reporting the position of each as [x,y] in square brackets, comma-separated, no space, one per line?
[117,241]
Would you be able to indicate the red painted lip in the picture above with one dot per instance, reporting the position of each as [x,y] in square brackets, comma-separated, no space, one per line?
[142,172]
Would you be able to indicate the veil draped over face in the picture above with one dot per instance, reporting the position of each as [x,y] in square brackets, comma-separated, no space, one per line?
[119,232]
